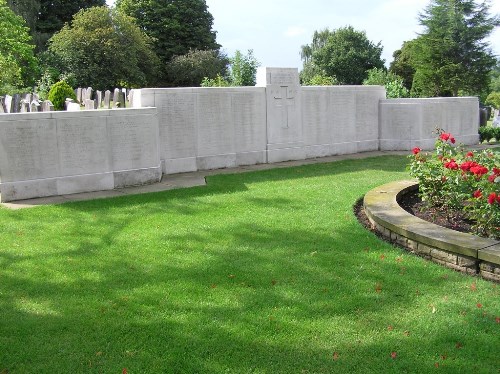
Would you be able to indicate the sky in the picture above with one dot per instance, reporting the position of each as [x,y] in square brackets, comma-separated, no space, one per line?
[276,29]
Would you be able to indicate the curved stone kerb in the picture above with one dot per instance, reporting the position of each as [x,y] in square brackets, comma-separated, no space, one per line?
[381,207]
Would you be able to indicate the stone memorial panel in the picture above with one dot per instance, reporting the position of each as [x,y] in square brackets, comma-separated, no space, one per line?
[28,150]
[83,145]
[215,128]
[178,123]
[134,141]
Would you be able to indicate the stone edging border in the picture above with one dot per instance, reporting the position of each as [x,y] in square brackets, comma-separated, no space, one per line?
[460,251]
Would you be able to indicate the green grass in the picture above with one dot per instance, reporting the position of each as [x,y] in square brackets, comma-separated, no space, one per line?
[263,272]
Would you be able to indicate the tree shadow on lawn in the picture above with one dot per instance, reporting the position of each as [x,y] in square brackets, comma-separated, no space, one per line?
[243,297]
[275,306]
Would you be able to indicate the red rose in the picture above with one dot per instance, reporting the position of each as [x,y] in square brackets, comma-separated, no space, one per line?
[492,198]
[496,171]
[478,194]
[452,140]
[469,154]
[479,170]
[452,165]
[444,136]
[492,178]
[416,150]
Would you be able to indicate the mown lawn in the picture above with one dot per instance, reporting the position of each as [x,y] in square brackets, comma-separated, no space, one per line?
[262,272]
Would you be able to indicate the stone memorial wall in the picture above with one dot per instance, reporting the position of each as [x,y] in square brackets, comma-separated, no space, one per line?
[409,123]
[187,129]
[58,153]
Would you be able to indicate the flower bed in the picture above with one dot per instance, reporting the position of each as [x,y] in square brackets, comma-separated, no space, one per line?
[453,179]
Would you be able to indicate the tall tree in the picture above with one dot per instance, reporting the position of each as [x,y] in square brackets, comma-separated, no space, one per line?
[403,63]
[45,17]
[55,13]
[18,65]
[28,9]
[345,54]
[104,48]
[176,26]
[243,69]
[453,56]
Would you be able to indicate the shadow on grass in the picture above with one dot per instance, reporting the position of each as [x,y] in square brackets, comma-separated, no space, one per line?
[245,297]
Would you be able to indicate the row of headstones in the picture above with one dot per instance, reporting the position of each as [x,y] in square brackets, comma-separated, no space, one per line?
[23,103]
[95,100]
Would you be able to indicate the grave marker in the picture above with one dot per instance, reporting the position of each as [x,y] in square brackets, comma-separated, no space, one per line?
[107,99]
[8,103]
[3,109]
[47,106]
[35,106]
[25,106]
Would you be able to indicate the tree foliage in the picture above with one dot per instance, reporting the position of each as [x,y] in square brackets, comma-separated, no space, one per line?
[18,65]
[394,85]
[495,78]
[46,17]
[403,63]
[493,99]
[190,69]
[175,26]
[453,56]
[104,48]
[243,70]
[344,53]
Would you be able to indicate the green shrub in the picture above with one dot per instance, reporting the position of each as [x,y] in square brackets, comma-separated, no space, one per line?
[58,94]
[486,133]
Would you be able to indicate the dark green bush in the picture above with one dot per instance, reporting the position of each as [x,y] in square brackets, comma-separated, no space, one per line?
[486,133]
[58,94]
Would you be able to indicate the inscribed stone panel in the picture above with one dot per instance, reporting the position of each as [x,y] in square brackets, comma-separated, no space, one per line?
[249,120]
[83,145]
[134,141]
[317,116]
[215,130]
[177,121]
[28,150]
[343,104]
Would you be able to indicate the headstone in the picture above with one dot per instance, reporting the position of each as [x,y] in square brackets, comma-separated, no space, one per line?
[72,106]
[35,106]
[16,103]
[3,109]
[496,118]
[35,97]
[131,99]
[47,106]
[116,96]
[89,93]
[107,99]
[28,98]
[89,104]
[483,117]
[98,98]
[79,94]
[119,98]
[25,106]
[8,103]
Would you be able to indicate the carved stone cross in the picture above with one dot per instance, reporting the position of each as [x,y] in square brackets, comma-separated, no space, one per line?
[285,100]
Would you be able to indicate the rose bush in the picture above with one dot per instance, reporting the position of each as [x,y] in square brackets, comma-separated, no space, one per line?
[453,179]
